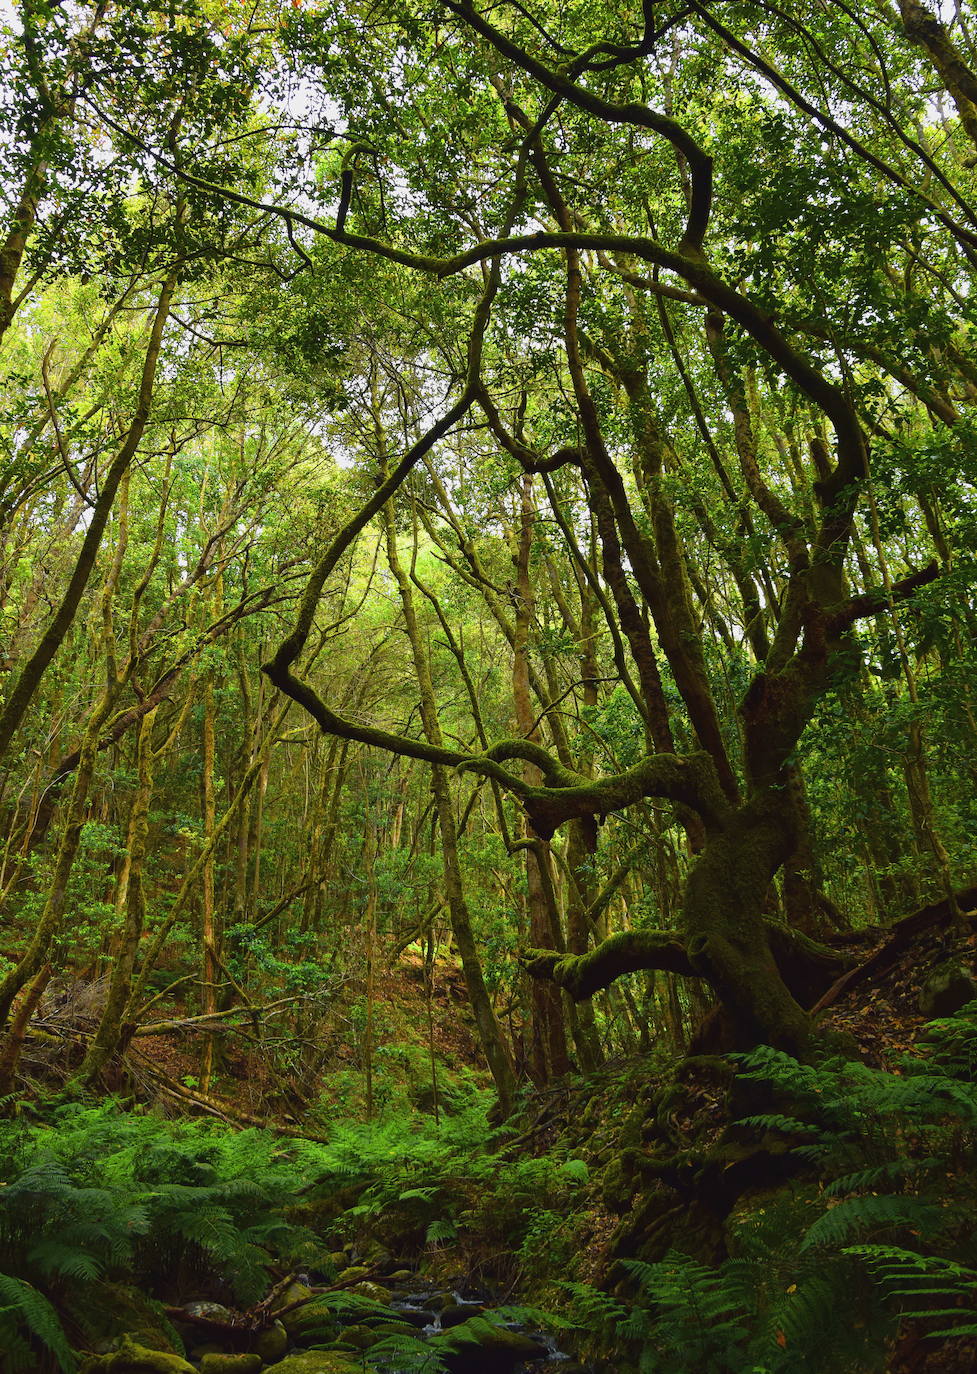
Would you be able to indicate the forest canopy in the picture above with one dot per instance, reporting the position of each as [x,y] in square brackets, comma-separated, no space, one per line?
[486,479]
[488,686]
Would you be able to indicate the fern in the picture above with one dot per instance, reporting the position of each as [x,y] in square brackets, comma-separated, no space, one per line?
[857,1215]
[916,1281]
[687,1315]
[596,1310]
[405,1355]
[894,1173]
[441,1230]
[31,1310]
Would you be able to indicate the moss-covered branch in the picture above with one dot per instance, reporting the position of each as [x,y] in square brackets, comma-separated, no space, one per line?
[689,779]
[581,975]
[805,963]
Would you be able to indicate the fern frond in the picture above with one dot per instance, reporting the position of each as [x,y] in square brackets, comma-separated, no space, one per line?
[860,1214]
[33,1311]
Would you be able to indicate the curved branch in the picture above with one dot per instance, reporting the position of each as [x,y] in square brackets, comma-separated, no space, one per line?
[690,779]
[799,958]
[874,602]
[581,975]
[687,262]
[279,668]
[698,160]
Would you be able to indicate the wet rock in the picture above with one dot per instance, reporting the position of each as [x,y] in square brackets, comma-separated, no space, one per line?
[213,1311]
[133,1358]
[454,1313]
[374,1291]
[272,1344]
[417,1316]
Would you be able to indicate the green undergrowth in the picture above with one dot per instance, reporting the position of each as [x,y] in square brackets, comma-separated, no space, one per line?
[96,1196]
[746,1215]
[868,1238]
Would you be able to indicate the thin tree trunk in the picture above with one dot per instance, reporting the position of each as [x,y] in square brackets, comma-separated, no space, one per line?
[489,1032]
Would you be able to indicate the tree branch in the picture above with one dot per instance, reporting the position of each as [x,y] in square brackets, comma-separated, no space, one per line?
[581,975]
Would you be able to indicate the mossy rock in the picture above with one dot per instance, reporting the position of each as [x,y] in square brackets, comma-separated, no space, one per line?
[354,1272]
[272,1344]
[317,1362]
[313,1324]
[295,1292]
[230,1364]
[112,1310]
[622,1178]
[374,1291]
[360,1337]
[133,1358]
[478,1346]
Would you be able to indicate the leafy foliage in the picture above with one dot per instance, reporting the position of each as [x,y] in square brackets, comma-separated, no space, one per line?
[825,1270]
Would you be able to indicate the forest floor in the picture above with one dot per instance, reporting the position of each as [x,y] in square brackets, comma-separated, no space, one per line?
[647,1162]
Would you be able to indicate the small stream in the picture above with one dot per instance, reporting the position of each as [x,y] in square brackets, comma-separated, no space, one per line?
[467,1329]
[433,1311]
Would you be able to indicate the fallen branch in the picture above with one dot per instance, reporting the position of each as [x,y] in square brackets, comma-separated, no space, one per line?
[203,1021]
[217,1106]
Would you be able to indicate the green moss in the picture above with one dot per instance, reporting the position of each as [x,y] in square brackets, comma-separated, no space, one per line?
[230,1364]
[133,1358]
[317,1362]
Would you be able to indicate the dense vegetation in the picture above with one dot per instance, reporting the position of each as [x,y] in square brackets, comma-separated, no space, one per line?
[487,549]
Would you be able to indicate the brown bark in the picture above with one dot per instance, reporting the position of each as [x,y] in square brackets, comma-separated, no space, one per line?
[547,1033]
[489,1032]
[130,900]
[31,674]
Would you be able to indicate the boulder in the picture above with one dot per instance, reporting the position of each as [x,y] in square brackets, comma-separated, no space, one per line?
[113,1310]
[360,1337]
[212,1311]
[354,1272]
[317,1362]
[478,1346]
[272,1344]
[133,1358]
[454,1313]
[230,1364]
[947,988]
[417,1316]
[374,1291]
